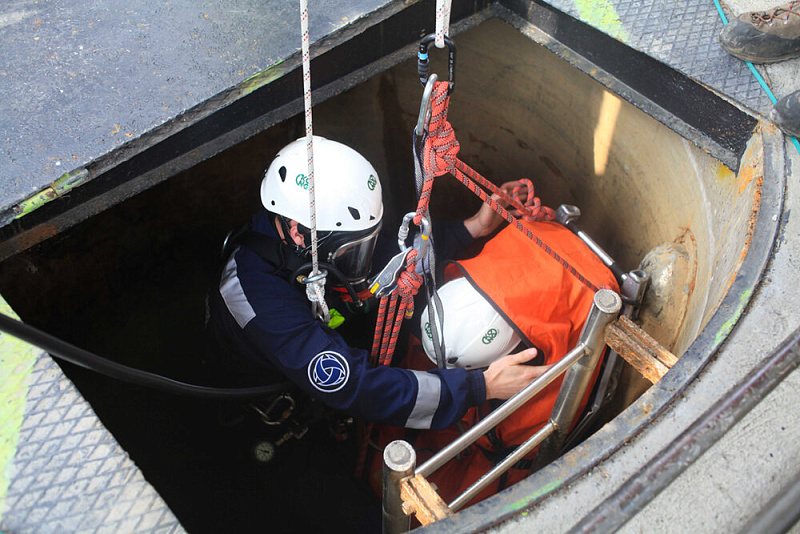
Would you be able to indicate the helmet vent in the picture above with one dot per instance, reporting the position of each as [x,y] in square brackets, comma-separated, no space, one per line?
[282,172]
[371,217]
[354,213]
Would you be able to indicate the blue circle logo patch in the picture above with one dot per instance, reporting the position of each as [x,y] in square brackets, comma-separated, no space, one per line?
[328,371]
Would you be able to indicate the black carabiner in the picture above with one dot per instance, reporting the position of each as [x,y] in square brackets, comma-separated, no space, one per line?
[423,66]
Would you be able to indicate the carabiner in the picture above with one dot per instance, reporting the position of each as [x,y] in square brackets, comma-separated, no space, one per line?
[305,280]
[423,66]
[425,107]
[402,232]
[279,410]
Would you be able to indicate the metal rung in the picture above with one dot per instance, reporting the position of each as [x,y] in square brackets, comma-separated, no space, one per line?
[415,491]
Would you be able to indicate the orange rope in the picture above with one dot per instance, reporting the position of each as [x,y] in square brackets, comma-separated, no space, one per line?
[440,156]
[392,310]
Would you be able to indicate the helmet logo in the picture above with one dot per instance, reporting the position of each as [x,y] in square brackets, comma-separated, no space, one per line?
[328,371]
[372,182]
[302,181]
[489,336]
[428,330]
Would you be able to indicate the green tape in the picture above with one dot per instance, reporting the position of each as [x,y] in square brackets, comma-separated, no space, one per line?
[602,15]
[16,363]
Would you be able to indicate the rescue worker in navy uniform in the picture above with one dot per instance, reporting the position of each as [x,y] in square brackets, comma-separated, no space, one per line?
[261,317]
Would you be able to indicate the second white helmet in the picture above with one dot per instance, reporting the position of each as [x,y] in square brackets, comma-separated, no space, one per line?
[347,188]
[474,333]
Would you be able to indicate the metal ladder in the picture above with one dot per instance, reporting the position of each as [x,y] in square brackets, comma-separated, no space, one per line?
[407,492]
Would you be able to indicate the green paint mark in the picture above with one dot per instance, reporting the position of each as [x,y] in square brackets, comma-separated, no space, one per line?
[16,363]
[60,187]
[602,15]
[727,327]
[544,490]
[260,79]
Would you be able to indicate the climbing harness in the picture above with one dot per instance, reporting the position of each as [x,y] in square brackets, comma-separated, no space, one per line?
[315,282]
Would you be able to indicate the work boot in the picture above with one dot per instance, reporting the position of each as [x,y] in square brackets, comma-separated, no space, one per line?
[786,113]
[764,36]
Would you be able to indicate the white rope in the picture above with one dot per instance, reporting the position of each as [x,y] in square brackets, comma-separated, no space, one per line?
[315,291]
[442,22]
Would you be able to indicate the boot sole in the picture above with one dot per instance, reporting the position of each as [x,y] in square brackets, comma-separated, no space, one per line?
[761,60]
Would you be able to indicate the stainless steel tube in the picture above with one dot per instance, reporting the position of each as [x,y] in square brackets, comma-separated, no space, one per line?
[503,466]
[399,460]
[605,309]
[503,411]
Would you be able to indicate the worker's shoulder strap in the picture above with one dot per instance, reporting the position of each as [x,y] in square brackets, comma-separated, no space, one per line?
[268,248]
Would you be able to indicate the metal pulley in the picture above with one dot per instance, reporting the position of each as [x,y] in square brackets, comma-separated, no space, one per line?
[386,281]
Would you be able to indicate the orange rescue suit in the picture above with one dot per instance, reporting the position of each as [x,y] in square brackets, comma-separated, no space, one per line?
[548,305]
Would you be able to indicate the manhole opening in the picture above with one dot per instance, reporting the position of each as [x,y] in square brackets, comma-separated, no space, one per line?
[130,282]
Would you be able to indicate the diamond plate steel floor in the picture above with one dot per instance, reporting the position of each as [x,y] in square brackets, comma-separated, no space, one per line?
[61,470]
[682,34]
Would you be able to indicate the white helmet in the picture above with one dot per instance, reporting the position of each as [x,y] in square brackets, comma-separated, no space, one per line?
[346,186]
[348,198]
[474,333]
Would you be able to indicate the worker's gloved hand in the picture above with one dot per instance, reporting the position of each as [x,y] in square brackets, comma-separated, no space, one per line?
[508,375]
[486,220]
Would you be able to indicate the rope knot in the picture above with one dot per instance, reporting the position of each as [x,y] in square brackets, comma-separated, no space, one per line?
[531,206]
[441,147]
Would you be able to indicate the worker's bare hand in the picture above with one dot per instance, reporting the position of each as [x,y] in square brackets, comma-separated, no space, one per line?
[486,220]
[507,376]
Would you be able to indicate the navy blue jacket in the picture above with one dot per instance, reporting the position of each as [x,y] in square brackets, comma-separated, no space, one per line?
[263,318]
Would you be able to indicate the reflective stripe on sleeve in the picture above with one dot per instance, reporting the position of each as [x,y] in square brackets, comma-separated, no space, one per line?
[428,394]
[232,293]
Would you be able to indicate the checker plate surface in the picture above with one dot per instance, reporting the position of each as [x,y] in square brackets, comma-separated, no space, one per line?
[69,474]
[683,35]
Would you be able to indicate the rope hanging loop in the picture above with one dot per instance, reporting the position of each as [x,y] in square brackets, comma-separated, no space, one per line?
[423,61]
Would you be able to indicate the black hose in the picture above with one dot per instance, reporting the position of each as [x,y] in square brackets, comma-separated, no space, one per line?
[88,360]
